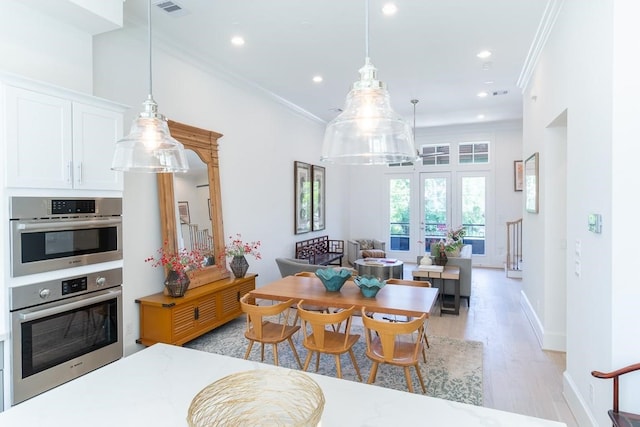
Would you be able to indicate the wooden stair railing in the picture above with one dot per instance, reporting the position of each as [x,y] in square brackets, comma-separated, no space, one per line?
[199,239]
[514,246]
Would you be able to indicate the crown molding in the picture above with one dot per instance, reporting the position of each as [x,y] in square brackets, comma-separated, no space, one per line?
[545,27]
[170,47]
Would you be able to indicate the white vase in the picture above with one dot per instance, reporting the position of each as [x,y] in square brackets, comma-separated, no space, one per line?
[426,260]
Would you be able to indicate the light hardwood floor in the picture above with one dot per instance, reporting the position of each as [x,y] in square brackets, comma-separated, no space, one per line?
[518,376]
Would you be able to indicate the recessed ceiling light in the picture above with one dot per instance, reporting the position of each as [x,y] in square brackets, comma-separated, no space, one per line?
[480,116]
[484,54]
[489,82]
[389,9]
[317,79]
[237,41]
[483,94]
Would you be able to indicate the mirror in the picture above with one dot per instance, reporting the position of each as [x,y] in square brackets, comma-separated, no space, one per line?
[188,200]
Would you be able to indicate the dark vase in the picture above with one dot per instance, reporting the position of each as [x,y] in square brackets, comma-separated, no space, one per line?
[442,259]
[239,266]
[176,284]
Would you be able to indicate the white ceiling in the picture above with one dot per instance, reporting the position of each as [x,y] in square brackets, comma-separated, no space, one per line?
[427,51]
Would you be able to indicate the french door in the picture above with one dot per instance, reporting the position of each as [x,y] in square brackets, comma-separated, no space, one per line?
[424,206]
[401,217]
[452,199]
[436,208]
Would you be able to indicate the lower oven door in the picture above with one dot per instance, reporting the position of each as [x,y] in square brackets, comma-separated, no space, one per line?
[57,342]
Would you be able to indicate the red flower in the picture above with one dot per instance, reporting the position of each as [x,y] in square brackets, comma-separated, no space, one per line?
[180,261]
[236,247]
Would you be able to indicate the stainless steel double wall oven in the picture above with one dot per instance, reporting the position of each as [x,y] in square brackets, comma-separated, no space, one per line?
[64,327]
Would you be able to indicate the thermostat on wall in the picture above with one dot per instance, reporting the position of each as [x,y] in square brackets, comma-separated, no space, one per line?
[595,223]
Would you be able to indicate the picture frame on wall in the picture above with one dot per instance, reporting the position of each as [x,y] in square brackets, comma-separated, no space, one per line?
[303,197]
[518,175]
[183,211]
[318,199]
[531,183]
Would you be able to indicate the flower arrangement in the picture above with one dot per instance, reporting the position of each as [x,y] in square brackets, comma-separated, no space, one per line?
[454,239]
[236,247]
[180,261]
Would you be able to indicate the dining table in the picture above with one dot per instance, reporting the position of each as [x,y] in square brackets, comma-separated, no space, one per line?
[404,300]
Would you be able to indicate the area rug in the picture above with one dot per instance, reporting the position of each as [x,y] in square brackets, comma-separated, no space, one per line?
[453,370]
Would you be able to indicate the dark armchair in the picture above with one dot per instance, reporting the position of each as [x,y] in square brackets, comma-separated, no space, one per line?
[619,418]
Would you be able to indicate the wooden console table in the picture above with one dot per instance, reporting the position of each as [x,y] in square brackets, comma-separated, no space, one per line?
[448,273]
[178,320]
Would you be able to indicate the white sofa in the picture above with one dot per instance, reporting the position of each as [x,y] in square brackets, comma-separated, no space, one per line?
[355,248]
[464,262]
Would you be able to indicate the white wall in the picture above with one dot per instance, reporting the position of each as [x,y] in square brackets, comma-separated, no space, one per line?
[368,194]
[37,46]
[625,292]
[261,141]
[575,76]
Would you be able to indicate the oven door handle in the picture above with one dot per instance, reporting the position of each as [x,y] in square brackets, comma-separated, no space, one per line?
[110,294]
[68,225]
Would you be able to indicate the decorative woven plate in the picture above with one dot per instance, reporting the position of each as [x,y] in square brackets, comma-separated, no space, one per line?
[262,397]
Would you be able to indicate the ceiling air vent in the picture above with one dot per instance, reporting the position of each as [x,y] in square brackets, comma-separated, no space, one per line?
[500,92]
[172,8]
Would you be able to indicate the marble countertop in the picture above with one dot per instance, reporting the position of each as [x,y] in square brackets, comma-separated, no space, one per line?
[154,387]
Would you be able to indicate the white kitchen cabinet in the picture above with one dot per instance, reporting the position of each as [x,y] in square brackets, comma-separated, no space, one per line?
[95,132]
[61,142]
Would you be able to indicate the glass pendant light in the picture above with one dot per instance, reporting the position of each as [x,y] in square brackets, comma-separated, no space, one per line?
[368,131]
[149,146]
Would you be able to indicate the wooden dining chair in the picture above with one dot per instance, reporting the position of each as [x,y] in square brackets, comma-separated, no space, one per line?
[321,334]
[422,283]
[394,343]
[309,307]
[266,331]
[619,418]
[318,308]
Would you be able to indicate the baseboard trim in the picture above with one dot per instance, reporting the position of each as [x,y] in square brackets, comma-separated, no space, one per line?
[514,274]
[554,342]
[547,340]
[576,403]
[538,330]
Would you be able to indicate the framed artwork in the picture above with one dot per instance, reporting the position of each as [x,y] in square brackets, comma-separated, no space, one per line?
[317,203]
[518,175]
[183,211]
[302,193]
[531,183]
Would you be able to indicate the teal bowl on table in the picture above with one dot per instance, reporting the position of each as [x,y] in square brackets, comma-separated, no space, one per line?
[369,285]
[333,279]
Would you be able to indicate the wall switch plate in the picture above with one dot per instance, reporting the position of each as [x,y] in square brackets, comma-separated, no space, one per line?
[595,223]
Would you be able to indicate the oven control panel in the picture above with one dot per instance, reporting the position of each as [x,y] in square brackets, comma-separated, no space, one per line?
[66,206]
[71,286]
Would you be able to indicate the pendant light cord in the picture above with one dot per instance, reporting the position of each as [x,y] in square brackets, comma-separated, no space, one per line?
[414,102]
[366,29]
[149,41]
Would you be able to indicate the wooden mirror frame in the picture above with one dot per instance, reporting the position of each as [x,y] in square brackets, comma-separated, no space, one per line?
[205,144]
